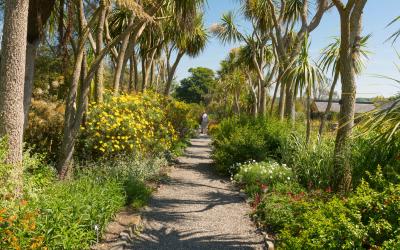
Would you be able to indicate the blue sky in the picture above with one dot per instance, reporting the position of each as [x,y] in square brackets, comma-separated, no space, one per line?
[377,14]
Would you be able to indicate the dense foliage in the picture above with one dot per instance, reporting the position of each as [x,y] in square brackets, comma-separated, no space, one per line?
[122,146]
[195,88]
[64,215]
[237,140]
[290,184]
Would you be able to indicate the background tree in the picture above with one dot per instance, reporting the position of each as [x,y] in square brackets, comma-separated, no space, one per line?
[195,88]
[305,76]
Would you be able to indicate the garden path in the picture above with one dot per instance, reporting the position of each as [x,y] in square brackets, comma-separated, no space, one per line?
[196,209]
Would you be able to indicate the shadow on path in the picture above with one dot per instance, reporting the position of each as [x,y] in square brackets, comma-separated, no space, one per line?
[197,209]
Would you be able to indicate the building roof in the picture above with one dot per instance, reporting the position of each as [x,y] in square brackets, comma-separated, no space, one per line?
[320,106]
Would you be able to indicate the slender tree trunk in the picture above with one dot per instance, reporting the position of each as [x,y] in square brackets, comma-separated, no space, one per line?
[131,75]
[99,78]
[12,74]
[152,74]
[308,132]
[328,107]
[274,98]
[29,77]
[290,109]
[136,71]
[149,62]
[60,26]
[120,64]
[263,100]
[171,73]
[144,74]
[281,108]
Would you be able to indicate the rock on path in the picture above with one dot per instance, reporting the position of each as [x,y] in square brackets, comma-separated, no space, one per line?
[196,209]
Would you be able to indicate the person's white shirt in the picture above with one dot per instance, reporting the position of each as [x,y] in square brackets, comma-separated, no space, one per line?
[204,117]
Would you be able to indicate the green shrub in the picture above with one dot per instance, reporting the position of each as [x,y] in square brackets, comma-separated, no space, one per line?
[367,153]
[368,219]
[280,206]
[45,128]
[237,140]
[312,164]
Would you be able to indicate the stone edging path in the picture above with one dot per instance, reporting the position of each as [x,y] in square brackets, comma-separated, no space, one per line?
[196,209]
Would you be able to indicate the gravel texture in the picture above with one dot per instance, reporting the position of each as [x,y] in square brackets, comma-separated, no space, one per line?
[197,209]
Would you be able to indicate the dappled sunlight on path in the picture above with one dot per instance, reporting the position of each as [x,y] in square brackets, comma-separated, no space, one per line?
[197,209]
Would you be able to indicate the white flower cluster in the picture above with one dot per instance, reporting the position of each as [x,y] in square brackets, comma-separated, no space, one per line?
[268,172]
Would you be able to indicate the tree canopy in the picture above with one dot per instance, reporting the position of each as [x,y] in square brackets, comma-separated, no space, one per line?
[195,88]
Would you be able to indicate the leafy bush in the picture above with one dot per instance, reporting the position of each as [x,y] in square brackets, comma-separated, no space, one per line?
[281,206]
[258,177]
[367,153]
[239,139]
[183,117]
[45,127]
[367,219]
[312,164]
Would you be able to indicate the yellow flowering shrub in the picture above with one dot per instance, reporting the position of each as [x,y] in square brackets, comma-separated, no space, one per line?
[183,117]
[128,124]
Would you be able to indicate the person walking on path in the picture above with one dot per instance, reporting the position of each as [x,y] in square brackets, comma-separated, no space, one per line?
[204,122]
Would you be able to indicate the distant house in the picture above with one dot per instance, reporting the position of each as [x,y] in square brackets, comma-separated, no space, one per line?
[318,107]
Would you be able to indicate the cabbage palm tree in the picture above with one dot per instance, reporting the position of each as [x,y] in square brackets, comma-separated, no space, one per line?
[330,61]
[305,75]
[257,52]
[290,24]
[184,42]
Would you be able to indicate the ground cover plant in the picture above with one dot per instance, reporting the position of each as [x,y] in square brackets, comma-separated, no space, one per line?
[71,214]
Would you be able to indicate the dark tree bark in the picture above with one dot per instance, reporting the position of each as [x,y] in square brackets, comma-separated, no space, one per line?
[39,13]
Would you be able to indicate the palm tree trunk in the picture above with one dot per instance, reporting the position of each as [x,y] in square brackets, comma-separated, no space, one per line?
[12,74]
[274,98]
[144,73]
[308,132]
[136,71]
[120,64]
[171,73]
[328,107]
[350,26]
[152,74]
[131,74]
[29,77]
[99,78]
[263,100]
[281,107]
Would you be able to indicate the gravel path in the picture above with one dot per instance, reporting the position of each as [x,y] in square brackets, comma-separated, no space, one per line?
[196,209]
